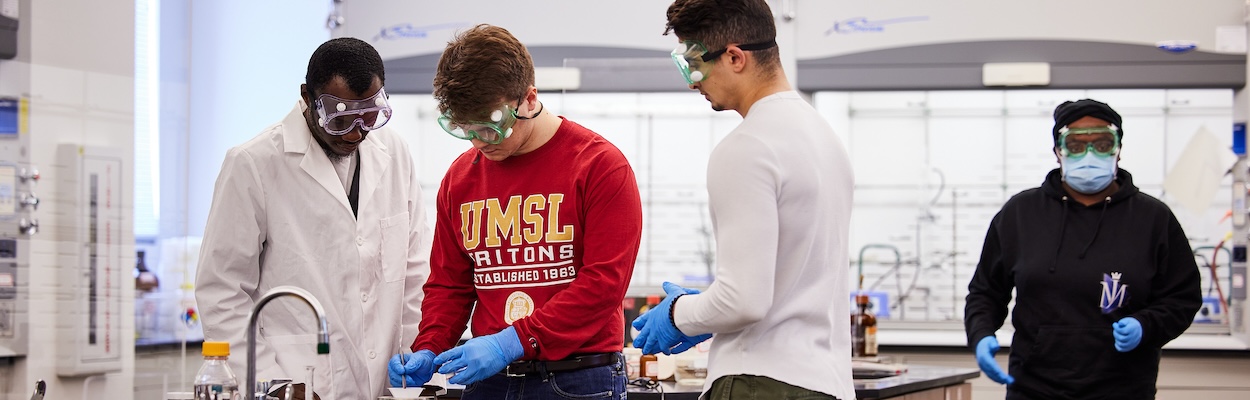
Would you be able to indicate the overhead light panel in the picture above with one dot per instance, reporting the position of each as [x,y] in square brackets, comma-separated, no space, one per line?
[1015,74]
[557,78]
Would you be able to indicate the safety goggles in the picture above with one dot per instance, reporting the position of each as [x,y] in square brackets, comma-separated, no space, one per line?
[695,62]
[494,131]
[343,115]
[1103,141]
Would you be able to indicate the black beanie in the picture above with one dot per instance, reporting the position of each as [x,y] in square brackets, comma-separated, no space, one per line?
[1070,111]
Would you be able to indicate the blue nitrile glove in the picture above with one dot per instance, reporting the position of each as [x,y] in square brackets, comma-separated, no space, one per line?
[1127,334]
[641,321]
[657,333]
[480,357]
[417,369]
[686,342]
[985,359]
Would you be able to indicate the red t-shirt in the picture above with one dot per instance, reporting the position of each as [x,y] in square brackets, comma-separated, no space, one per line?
[544,241]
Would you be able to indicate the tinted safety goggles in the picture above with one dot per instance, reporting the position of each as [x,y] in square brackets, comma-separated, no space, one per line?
[1102,140]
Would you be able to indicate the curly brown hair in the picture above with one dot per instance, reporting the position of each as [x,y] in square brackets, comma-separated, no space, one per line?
[480,66]
[718,23]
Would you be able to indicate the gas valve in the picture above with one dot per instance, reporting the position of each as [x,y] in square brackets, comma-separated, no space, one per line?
[31,175]
[30,200]
[29,228]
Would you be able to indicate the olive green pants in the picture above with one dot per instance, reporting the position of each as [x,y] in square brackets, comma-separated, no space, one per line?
[751,387]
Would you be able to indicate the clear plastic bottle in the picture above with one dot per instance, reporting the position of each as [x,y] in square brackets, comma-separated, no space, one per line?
[216,381]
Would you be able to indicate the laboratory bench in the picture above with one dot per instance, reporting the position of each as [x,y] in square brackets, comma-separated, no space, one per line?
[920,382]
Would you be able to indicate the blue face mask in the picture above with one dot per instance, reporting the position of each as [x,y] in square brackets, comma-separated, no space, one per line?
[1088,173]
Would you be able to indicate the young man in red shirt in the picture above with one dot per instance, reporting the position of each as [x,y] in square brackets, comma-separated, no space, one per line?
[537,232]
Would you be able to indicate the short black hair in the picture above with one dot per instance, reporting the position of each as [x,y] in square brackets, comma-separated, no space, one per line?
[353,59]
[718,23]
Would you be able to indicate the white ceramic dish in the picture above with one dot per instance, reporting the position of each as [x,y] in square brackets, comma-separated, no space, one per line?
[405,393]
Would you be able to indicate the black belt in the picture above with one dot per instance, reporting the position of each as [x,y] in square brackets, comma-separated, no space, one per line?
[521,368]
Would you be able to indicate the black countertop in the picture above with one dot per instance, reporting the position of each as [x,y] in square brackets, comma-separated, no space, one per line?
[917,378]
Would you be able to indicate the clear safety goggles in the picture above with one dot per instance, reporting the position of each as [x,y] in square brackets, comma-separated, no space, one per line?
[339,116]
[494,130]
[695,62]
[691,59]
[1103,141]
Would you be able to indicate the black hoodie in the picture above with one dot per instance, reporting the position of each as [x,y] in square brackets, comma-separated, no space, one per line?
[1066,260]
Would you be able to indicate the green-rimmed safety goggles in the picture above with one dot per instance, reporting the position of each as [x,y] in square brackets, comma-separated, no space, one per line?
[695,62]
[1102,140]
[493,131]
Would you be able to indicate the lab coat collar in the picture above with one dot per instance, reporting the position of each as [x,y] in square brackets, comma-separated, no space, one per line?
[372,156]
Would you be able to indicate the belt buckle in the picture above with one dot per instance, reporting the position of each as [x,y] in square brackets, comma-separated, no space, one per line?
[507,371]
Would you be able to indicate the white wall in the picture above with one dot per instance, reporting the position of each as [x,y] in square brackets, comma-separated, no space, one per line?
[229,69]
[81,64]
[247,60]
[81,56]
[831,28]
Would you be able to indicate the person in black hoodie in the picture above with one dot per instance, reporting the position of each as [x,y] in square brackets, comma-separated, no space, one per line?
[1104,274]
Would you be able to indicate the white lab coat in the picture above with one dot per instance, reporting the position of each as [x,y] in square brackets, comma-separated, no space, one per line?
[280,216]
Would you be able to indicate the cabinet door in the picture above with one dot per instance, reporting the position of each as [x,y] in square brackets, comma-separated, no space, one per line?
[1038,102]
[931,394]
[961,391]
[1199,98]
[864,101]
[888,150]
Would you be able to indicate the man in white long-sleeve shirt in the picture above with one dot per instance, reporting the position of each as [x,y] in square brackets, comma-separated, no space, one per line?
[779,189]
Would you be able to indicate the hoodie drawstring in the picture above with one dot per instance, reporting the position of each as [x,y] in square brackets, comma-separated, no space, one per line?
[1097,228]
[1063,225]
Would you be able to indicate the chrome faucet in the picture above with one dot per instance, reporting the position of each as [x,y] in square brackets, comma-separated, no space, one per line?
[323,329]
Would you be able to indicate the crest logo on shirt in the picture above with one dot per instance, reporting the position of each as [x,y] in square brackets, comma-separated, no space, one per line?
[1114,293]
[519,305]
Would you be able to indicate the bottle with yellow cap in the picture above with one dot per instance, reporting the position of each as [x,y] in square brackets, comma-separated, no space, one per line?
[216,381]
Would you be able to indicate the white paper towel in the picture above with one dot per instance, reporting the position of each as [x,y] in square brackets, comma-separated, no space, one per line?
[1196,177]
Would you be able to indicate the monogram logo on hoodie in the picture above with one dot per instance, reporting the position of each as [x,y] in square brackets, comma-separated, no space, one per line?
[1114,293]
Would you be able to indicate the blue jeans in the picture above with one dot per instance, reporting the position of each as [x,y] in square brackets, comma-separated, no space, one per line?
[606,382]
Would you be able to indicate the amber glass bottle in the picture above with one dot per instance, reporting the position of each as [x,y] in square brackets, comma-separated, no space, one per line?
[649,367]
[863,329]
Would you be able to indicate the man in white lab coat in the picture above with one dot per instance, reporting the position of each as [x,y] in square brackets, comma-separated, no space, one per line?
[326,200]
